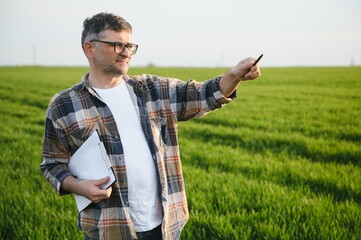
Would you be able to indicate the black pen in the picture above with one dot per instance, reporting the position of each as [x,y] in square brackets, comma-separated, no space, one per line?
[259,58]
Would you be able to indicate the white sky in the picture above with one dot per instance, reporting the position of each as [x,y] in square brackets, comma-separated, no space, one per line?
[203,33]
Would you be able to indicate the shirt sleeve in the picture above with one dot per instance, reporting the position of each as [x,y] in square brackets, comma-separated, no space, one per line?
[55,153]
[194,99]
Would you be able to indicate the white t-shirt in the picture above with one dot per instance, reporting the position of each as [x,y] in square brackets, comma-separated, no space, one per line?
[143,194]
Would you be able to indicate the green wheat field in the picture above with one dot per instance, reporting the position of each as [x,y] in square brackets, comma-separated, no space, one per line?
[281,162]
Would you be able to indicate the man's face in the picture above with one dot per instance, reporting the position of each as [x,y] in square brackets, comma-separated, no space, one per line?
[106,60]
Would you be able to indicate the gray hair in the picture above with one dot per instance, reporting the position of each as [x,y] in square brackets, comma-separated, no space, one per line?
[94,26]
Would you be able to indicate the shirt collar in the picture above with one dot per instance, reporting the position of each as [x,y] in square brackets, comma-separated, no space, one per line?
[84,83]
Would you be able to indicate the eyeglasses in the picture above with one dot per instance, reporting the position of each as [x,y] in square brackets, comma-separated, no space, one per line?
[119,47]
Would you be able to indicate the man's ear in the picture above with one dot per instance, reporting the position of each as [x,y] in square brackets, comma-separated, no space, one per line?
[88,49]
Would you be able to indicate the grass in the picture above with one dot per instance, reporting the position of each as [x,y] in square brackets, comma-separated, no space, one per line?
[281,162]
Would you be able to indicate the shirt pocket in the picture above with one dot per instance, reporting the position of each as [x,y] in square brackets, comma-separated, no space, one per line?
[159,131]
[78,136]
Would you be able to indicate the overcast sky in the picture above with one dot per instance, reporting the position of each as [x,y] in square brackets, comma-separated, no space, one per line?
[203,33]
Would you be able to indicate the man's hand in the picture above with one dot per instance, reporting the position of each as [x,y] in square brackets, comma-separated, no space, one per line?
[87,188]
[243,71]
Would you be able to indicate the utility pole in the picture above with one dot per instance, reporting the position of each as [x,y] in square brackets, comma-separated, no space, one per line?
[352,61]
[34,55]
[221,59]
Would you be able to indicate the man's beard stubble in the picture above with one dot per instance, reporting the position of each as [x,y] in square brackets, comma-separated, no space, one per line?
[112,70]
[109,68]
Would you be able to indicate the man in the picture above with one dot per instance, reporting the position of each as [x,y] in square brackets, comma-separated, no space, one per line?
[136,118]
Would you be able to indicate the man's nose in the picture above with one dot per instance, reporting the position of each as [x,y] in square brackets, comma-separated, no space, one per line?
[126,52]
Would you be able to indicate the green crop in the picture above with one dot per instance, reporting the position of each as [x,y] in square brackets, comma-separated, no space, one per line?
[283,161]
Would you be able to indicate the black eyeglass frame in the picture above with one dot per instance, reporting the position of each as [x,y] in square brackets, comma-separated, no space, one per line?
[132,46]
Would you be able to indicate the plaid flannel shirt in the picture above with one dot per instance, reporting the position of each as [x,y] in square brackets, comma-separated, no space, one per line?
[75,113]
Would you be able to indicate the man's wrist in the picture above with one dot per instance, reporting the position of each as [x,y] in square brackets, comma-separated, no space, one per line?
[70,184]
[235,78]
